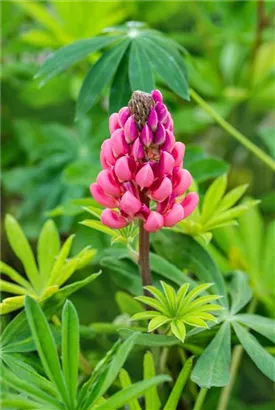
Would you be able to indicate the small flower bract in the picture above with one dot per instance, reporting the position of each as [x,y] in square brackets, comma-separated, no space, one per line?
[176,310]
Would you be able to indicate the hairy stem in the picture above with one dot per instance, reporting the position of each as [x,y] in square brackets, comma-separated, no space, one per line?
[200,399]
[144,265]
[235,364]
[233,131]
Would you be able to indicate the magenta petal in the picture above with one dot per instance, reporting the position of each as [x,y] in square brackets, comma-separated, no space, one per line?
[169,141]
[157,96]
[145,176]
[129,204]
[108,183]
[163,191]
[146,136]
[122,169]
[166,164]
[130,130]
[123,115]
[113,219]
[118,143]
[100,196]
[153,120]
[137,150]
[175,215]
[160,134]
[183,182]
[154,222]
[162,112]
[114,122]
[107,152]
[178,153]
[190,203]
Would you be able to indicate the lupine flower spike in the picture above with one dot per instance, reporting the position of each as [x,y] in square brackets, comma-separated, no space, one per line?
[143,166]
[175,311]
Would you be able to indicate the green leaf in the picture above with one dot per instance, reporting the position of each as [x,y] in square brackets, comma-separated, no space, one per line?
[127,304]
[212,368]
[149,340]
[47,249]
[45,345]
[260,324]
[232,197]
[185,252]
[125,381]
[178,329]
[157,322]
[99,226]
[15,276]
[213,197]
[167,67]
[152,400]
[207,168]
[182,378]
[70,348]
[240,291]
[263,360]
[60,260]
[71,54]
[22,249]
[98,78]
[120,90]
[14,402]
[140,72]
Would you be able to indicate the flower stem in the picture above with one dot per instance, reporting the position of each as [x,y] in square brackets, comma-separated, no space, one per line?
[144,265]
[233,131]
[235,364]
[200,399]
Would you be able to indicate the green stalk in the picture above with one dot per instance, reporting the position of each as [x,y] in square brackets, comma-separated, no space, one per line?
[200,399]
[233,131]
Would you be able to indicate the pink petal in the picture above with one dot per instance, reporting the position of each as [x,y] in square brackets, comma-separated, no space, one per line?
[145,176]
[107,152]
[103,199]
[160,134]
[163,191]
[114,122]
[130,204]
[183,182]
[130,130]
[168,124]
[169,141]
[154,222]
[146,136]
[108,183]
[157,96]
[113,219]
[118,143]
[162,112]
[175,215]
[122,169]
[190,203]
[123,115]
[166,164]
[137,150]
[178,153]
[153,120]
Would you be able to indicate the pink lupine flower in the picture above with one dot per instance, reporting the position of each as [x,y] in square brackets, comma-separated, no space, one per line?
[142,165]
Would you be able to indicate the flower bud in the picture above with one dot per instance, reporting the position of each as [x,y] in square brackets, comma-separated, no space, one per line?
[113,219]
[162,112]
[190,203]
[123,115]
[169,141]
[162,191]
[182,182]
[175,215]
[154,222]
[137,150]
[160,134]
[178,153]
[114,122]
[107,153]
[122,169]
[106,181]
[146,136]
[103,199]
[168,124]
[130,130]
[145,176]
[153,120]
[166,164]
[157,96]
[129,204]
[118,143]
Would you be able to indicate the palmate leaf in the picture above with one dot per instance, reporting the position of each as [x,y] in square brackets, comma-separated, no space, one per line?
[140,72]
[260,324]
[240,291]
[120,92]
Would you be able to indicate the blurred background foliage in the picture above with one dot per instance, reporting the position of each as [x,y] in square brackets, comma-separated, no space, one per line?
[49,160]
